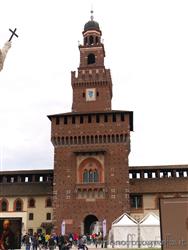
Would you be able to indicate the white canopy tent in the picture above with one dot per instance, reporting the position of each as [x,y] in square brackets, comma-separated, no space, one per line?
[124,232]
[149,231]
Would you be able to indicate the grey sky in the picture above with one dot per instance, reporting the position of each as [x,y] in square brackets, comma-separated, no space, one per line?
[146,45]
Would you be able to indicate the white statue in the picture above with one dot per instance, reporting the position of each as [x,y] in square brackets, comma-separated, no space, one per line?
[3,53]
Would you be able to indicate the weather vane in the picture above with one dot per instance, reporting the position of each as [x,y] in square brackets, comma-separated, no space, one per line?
[6,47]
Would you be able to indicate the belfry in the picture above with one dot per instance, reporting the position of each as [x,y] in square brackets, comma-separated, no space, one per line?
[91,146]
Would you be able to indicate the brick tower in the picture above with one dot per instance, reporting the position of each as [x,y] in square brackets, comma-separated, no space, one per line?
[91,144]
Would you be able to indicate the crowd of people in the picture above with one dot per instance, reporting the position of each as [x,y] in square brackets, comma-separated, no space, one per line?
[63,242]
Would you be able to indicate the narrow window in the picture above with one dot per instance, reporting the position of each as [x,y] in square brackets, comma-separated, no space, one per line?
[91,40]
[81,119]
[85,40]
[96,176]
[136,201]
[87,138]
[117,138]
[114,117]
[113,138]
[91,176]
[57,120]
[97,118]
[86,176]
[73,119]
[105,118]
[96,139]
[31,216]
[18,206]
[48,216]
[100,139]
[104,138]
[92,139]
[79,140]
[83,139]
[31,203]
[89,118]
[122,117]
[91,59]
[66,140]
[65,120]
[4,206]
[49,202]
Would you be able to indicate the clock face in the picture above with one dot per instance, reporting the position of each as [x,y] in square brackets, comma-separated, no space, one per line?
[90,94]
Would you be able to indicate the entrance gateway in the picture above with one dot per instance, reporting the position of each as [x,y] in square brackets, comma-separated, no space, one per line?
[90,224]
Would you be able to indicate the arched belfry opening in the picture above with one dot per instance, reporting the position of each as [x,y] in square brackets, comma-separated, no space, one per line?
[89,224]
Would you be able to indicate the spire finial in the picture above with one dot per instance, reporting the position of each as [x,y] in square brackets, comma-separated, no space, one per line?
[92,13]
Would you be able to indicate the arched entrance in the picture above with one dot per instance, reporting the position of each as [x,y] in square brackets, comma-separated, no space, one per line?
[89,223]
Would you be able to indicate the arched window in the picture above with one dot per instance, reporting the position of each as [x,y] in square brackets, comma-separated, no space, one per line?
[83,139]
[90,171]
[49,202]
[86,176]
[67,140]
[92,140]
[117,138]
[4,206]
[95,176]
[18,205]
[96,139]
[85,40]
[97,39]
[31,203]
[91,40]
[91,59]
[75,140]
[104,138]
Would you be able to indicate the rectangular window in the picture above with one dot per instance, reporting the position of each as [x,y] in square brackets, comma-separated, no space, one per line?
[89,118]
[31,216]
[57,120]
[65,120]
[97,118]
[48,216]
[73,120]
[81,119]
[136,201]
[122,117]
[114,117]
[105,118]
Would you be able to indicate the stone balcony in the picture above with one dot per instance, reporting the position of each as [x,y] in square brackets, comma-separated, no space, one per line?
[90,190]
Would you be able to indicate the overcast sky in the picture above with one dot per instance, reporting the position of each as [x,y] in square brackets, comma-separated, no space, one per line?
[146,44]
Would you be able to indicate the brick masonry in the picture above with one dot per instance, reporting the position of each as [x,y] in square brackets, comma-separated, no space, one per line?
[92,134]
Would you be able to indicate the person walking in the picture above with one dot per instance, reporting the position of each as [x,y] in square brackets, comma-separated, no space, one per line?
[51,243]
[35,241]
[27,241]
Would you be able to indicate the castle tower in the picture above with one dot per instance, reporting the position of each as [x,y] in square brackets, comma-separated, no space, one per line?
[91,146]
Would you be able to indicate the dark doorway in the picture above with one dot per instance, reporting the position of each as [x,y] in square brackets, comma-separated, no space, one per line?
[91,59]
[89,223]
